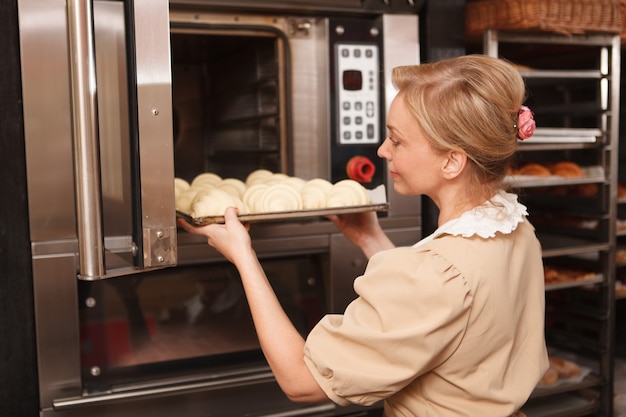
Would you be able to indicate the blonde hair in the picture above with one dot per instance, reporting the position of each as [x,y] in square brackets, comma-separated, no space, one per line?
[469,103]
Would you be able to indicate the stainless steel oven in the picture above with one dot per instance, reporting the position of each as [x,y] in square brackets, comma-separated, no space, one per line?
[135,317]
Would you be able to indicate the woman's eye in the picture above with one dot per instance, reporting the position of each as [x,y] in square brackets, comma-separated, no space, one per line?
[394,142]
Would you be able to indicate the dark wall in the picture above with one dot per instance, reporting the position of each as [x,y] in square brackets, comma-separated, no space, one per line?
[18,369]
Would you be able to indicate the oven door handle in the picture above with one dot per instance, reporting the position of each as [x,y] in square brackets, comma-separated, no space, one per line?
[149,73]
[84,106]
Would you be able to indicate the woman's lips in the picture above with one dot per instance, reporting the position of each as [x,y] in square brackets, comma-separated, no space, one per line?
[393,174]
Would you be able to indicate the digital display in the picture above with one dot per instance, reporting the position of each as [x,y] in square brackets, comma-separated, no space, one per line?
[352,80]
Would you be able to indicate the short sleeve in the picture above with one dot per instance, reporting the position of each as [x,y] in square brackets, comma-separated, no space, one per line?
[411,312]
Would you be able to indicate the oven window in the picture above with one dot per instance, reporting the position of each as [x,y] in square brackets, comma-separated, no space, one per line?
[187,319]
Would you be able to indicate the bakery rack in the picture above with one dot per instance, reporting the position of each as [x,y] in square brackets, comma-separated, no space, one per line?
[573,84]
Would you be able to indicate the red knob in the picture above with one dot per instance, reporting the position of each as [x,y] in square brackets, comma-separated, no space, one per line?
[360,168]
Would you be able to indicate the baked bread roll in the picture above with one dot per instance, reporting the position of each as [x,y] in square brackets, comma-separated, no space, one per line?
[279,197]
[534,169]
[564,367]
[550,377]
[347,193]
[567,169]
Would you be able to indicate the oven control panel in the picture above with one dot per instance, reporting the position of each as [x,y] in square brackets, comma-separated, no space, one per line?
[358,93]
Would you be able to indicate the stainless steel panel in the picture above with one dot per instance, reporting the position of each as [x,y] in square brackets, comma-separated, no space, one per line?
[47,122]
[56,312]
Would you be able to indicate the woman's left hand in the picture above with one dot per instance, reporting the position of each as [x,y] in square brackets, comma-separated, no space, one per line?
[231,239]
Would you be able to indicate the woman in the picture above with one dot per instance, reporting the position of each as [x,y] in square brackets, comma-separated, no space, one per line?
[452,326]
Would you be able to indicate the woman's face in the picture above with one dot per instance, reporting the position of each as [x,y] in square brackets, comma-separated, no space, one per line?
[413,164]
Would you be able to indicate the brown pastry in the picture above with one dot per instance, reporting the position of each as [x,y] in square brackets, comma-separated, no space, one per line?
[564,367]
[534,169]
[550,377]
[567,169]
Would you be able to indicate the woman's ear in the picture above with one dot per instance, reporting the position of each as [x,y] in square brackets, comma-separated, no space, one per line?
[454,164]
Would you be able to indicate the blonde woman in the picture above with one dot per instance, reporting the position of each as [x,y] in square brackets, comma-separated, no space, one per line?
[452,326]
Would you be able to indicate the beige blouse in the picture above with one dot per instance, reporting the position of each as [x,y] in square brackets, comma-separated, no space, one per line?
[453,326]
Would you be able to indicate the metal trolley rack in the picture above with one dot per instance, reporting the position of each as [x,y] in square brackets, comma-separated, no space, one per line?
[573,88]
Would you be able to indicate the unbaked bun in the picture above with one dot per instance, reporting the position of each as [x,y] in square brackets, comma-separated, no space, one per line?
[252,197]
[232,186]
[347,193]
[258,176]
[280,197]
[206,179]
[211,202]
[180,186]
[314,193]
[183,201]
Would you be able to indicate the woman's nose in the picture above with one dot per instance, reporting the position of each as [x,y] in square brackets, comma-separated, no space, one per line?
[382,150]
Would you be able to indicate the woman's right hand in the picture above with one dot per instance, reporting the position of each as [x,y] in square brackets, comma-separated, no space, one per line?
[231,239]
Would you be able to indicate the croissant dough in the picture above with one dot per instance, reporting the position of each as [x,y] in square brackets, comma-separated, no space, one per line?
[263,191]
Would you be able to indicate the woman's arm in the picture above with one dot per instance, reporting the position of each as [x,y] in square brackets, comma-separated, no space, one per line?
[363,229]
[281,343]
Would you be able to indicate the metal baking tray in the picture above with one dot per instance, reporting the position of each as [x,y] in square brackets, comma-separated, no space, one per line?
[285,215]
[378,198]
[593,174]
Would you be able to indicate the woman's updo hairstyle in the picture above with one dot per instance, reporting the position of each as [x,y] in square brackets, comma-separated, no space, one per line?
[469,103]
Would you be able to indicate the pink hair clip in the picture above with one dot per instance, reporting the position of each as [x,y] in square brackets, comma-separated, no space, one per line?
[525,123]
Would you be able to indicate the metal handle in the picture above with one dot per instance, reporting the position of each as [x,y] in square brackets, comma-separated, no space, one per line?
[85,139]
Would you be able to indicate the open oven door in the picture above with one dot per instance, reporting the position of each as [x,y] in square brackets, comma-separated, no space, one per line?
[123,44]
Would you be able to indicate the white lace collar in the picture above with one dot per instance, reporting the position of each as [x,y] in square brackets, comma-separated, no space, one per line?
[500,214]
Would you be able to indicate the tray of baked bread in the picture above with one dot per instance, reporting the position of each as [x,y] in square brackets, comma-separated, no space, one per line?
[268,196]
[533,174]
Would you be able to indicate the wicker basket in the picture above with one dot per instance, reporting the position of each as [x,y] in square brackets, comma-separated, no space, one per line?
[557,16]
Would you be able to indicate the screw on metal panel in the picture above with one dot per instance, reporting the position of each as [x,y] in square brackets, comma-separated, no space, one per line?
[90,302]
[160,258]
[94,371]
[155,112]
[159,234]
[340,30]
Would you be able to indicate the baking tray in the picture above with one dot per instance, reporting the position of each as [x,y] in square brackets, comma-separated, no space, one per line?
[285,215]
[378,198]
